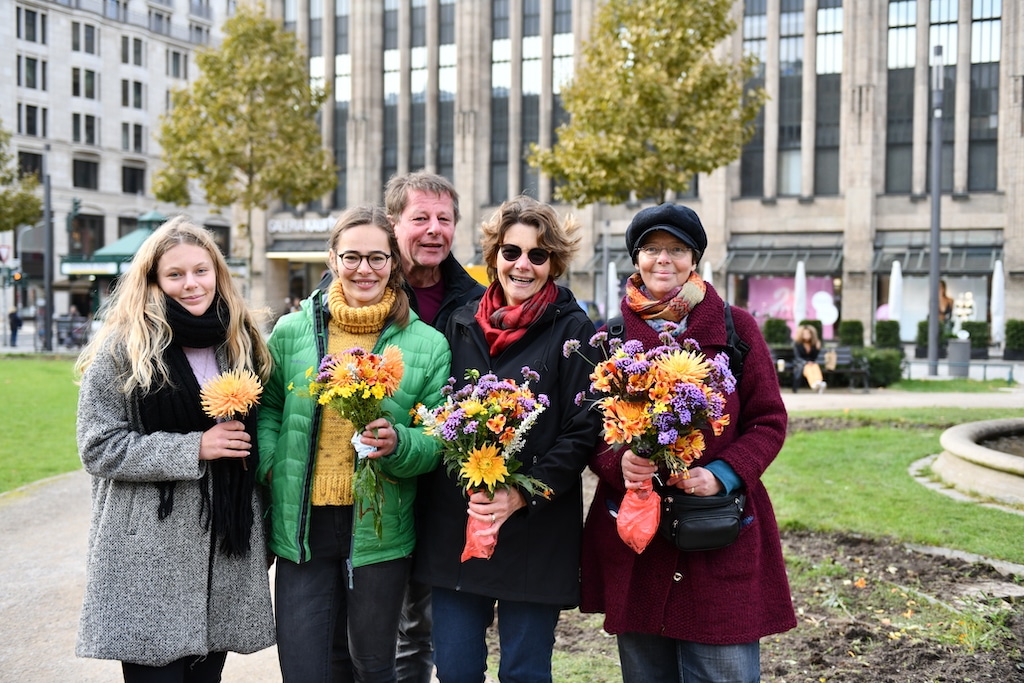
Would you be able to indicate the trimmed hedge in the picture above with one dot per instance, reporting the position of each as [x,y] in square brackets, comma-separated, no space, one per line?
[776,332]
[980,332]
[886,365]
[851,333]
[1014,335]
[887,335]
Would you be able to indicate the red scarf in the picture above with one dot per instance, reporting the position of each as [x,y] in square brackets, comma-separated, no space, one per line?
[503,324]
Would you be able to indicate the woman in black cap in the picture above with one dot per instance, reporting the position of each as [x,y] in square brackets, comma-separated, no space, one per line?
[694,616]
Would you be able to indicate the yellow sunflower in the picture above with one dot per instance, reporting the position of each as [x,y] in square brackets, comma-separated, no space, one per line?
[484,466]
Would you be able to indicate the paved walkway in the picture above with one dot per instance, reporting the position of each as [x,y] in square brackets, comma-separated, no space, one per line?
[43,529]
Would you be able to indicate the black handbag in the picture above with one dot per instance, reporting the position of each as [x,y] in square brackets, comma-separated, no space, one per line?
[701,522]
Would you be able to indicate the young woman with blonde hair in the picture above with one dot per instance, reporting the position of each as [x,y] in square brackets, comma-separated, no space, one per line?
[177,566]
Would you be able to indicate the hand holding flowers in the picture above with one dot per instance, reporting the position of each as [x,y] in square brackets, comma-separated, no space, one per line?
[659,403]
[481,427]
[355,383]
[230,396]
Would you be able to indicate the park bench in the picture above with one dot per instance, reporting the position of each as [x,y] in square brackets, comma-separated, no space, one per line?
[847,366]
[855,370]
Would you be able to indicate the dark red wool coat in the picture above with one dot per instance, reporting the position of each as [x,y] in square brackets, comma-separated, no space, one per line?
[732,595]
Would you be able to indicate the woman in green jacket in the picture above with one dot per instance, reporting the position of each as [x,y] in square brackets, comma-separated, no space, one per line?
[339,586]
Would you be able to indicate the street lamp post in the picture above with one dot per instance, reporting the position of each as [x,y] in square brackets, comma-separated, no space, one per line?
[47,257]
[933,262]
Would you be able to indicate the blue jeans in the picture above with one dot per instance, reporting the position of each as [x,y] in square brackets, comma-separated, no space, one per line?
[526,632]
[647,658]
[326,631]
[415,658]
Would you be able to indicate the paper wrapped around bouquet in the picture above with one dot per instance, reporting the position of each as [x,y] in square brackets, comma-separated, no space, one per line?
[478,546]
[639,515]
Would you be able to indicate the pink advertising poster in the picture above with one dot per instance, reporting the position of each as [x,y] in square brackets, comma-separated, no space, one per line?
[772,297]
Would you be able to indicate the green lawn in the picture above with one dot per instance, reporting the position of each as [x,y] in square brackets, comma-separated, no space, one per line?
[39,399]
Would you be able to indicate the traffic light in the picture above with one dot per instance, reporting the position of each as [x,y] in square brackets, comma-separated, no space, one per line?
[17,278]
[76,205]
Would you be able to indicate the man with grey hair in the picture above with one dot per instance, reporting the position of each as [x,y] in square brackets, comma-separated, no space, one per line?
[424,208]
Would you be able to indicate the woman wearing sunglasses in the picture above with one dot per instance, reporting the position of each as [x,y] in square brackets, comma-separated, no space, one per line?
[522,321]
[339,586]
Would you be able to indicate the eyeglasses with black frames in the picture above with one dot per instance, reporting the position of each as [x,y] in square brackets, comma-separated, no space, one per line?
[512,252]
[376,259]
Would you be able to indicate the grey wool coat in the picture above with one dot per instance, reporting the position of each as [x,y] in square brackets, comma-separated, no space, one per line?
[154,593]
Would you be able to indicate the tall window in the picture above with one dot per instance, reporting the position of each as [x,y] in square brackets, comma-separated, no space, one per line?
[132,138]
[83,83]
[755,37]
[31,72]
[177,64]
[447,87]
[943,31]
[828,70]
[392,88]
[982,150]
[31,25]
[342,97]
[84,129]
[32,120]
[791,72]
[501,83]
[418,85]
[530,82]
[899,128]
[83,38]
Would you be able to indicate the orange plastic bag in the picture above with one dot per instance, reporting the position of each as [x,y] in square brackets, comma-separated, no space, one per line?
[639,515]
[478,546]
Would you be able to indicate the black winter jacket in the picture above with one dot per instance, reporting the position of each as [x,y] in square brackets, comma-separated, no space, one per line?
[537,556]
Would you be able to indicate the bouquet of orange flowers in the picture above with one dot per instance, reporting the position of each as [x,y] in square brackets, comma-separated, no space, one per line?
[658,403]
[354,383]
[481,427]
[231,394]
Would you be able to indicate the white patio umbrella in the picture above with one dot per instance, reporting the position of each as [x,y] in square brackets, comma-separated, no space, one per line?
[706,272]
[611,300]
[800,293]
[997,304]
[895,291]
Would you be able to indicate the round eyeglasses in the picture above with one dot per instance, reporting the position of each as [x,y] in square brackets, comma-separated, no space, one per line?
[377,260]
[512,252]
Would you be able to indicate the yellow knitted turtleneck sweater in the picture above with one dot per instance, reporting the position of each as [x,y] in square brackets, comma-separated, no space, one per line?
[335,457]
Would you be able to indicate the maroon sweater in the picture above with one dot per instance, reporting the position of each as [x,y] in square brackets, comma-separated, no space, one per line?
[732,595]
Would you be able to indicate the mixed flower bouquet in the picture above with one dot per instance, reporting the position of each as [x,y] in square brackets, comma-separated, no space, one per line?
[657,403]
[354,383]
[481,427]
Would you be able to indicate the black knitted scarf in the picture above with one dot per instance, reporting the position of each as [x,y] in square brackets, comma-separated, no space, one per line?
[176,408]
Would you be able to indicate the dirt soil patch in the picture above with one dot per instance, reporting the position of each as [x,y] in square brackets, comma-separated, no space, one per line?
[850,632]
[860,603]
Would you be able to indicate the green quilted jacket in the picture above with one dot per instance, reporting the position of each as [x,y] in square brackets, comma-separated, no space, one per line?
[289,426]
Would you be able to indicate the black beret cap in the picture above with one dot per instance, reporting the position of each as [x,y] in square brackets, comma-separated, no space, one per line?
[676,219]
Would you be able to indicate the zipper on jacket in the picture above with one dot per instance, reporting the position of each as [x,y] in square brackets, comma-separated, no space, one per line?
[319,337]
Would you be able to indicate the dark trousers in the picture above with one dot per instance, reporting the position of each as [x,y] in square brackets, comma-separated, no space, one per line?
[328,632]
[186,670]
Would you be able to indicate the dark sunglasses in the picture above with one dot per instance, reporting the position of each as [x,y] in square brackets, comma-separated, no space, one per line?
[537,256]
